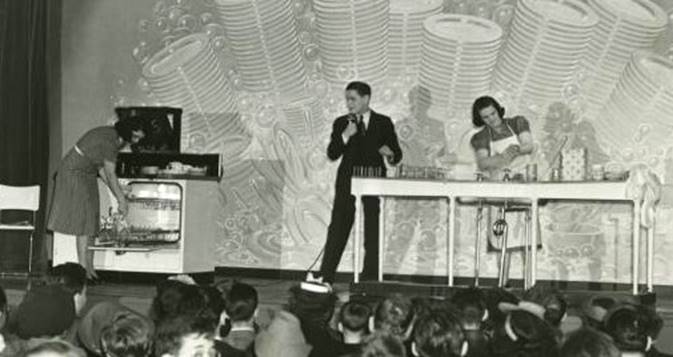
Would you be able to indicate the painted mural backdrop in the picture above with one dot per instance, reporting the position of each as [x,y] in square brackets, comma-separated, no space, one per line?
[260,82]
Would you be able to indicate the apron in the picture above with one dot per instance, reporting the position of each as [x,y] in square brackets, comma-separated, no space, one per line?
[495,147]
[515,220]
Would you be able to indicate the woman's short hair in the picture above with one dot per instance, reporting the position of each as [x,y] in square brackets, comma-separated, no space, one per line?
[383,344]
[588,342]
[439,334]
[481,103]
[394,314]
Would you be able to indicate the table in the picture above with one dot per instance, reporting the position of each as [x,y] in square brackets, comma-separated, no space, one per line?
[531,192]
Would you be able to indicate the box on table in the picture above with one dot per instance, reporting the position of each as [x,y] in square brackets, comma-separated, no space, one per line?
[574,164]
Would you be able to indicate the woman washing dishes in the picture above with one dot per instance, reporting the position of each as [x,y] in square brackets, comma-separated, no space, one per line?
[75,206]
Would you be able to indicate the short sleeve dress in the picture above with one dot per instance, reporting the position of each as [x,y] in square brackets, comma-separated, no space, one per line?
[75,206]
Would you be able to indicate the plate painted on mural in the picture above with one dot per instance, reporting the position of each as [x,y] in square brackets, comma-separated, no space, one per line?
[415,6]
[639,12]
[571,14]
[463,28]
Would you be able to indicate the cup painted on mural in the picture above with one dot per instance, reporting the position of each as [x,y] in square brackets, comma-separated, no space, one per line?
[597,172]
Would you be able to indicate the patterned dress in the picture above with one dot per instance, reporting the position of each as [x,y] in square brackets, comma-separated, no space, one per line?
[75,207]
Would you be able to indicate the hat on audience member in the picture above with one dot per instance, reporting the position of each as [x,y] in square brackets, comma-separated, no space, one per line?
[45,311]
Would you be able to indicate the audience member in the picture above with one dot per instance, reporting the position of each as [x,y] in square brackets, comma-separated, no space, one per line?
[439,335]
[588,342]
[353,324]
[630,328]
[184,336]
[284,337]
[237,328]
[53,348]
[128,335]
[524,334]
[473,312]
[50,310]
[123,320]
[394,315]
[383,344]
[553,303]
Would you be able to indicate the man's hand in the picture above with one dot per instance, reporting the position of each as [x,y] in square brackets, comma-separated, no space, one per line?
[385,151]
[350,130]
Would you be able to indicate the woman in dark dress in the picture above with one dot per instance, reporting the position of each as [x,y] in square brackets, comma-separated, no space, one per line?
[75,206]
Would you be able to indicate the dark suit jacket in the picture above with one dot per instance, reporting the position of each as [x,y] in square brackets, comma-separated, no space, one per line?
[361,150]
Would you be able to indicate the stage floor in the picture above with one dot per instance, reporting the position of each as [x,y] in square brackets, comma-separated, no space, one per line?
[273,294]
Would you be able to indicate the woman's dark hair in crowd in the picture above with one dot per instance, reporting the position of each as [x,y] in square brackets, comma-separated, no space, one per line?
[472,306]
[439,335]
[524,334]
[71,275]
[632,327]
[125,126]
[128,335]
[394,314]
[481,103]
[354,316]
[554,303]
[588,342]
[169,334]
[240,305]
[166,303]
[383,344]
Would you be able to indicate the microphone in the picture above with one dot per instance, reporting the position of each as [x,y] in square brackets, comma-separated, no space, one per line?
[352,117]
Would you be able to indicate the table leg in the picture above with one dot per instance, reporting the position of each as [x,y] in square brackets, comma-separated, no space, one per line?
[356,239]
[650,258]
[452,238]
[636,246]
[534,238]
[382,225]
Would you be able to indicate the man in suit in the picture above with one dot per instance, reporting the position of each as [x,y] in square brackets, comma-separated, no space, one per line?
[362,138]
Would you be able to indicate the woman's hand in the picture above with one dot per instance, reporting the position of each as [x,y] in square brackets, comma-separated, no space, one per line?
[123,206]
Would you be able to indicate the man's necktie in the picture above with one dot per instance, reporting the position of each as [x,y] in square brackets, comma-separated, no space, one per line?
[361,125]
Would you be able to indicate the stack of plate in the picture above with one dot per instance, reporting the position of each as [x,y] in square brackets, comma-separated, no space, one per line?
[353,39]
[263,38]
[638,114]
[547,41]
[625,26]
[188,74]
[406,33]
[305,122]
[458,54]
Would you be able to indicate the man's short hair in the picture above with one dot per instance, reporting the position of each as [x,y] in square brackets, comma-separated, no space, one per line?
[394,314]
[362,88]
[588,342]
[354,316]
[383,344]
[170,332]
[128,335]
[439,335]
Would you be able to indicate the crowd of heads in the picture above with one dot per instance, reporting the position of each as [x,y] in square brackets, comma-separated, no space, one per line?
[187,319]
